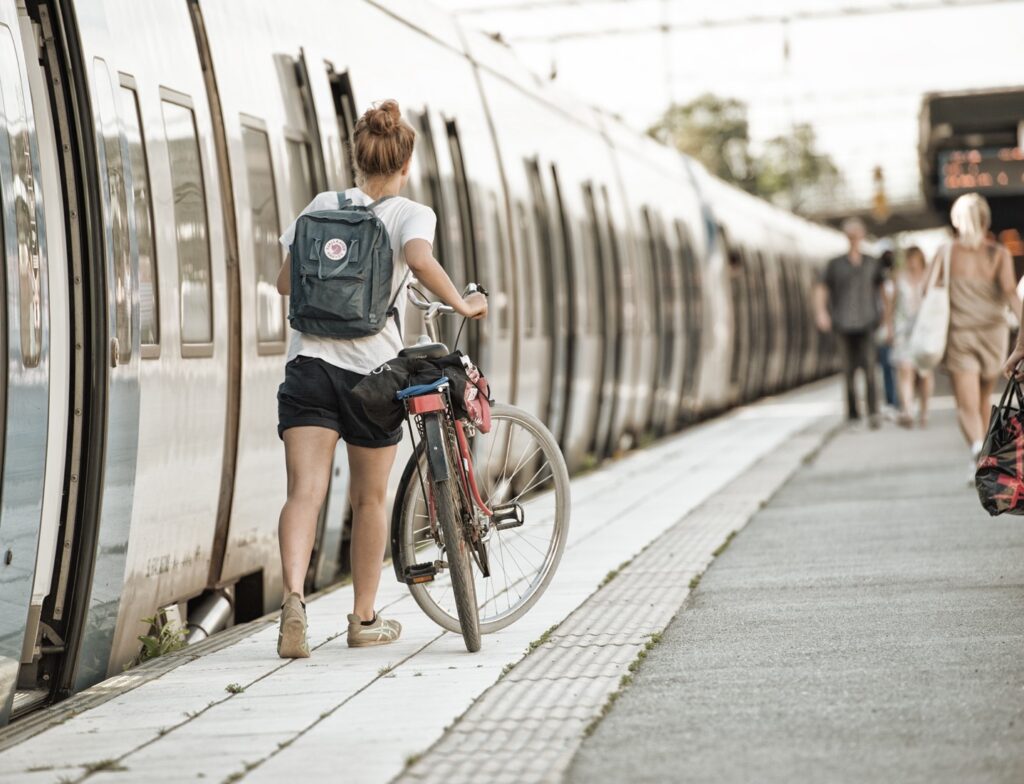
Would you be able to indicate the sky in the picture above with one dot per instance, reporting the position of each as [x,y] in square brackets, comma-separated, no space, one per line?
[857,79]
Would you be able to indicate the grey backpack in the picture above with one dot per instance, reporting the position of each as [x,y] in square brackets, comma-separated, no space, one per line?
[341,272]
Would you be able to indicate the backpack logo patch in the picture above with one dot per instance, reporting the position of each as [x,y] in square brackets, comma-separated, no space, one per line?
[335,249]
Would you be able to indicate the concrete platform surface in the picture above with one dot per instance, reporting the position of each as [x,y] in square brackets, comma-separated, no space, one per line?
[868,625]
[365,715]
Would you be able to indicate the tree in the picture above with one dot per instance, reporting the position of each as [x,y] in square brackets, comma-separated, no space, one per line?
[715,131]
[790,169]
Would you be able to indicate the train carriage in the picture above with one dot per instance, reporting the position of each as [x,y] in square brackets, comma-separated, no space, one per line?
[150,154]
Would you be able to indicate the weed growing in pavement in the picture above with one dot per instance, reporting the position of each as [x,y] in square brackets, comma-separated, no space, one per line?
[417,675]
[694,581]
[236,776]
[385,670]
[412,759]
[624,683]
[507,669]
[722,547]
[613,573]
[234,688]
[542,639]
[105,764]
[163,637]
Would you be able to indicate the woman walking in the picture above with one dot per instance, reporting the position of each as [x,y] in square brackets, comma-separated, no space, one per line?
[981,286]
[912,380]
[315,403]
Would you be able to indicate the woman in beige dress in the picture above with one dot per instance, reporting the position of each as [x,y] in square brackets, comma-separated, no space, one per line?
[981,286]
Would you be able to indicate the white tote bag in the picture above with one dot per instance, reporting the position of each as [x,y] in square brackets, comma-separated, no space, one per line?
[928,336]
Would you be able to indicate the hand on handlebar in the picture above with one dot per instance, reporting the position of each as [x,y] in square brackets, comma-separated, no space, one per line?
[473,306]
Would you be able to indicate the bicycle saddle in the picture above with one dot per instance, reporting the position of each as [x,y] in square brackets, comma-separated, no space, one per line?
[425,351]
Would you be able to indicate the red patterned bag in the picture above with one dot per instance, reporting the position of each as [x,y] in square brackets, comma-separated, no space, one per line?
[477,396]
[1000,475]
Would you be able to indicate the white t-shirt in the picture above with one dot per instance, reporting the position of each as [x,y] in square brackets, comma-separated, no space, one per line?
[404,220]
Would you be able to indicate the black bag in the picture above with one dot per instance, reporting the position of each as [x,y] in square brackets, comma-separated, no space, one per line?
[1000,475]
[377,391]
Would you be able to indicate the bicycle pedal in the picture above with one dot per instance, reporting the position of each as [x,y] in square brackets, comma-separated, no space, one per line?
[507,516]
[420,573]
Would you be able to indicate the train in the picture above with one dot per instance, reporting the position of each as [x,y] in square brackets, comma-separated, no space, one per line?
[151,151]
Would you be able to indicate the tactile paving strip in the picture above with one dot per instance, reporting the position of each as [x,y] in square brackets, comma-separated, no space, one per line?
[527,727]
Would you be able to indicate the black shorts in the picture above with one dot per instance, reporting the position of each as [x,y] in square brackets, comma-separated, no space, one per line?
[319,394]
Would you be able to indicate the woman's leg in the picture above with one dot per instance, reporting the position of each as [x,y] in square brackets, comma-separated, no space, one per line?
[967,391]
[906,377]
[370,469]
[926,384]
[985,403]
[309,453]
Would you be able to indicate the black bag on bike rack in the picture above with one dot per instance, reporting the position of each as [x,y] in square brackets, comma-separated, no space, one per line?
[377,391]
[1000,475]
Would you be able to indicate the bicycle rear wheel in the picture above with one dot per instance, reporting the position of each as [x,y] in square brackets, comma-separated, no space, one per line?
[448,507]
[517,465]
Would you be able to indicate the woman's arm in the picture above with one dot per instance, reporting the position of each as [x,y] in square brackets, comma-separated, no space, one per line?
[419,255]
[284,277]
[1008,280]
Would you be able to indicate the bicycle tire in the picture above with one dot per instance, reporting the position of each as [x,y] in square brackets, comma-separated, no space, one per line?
[460,561]
[406,512]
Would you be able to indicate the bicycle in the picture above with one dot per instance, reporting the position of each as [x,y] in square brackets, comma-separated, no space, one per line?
[469,521]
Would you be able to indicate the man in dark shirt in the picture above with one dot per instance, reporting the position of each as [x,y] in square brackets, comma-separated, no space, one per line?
[850,300]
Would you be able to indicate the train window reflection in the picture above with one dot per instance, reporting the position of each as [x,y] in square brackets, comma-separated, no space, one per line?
[190,226]
[265,228]
[300,173]
[119,242]
[500,296]
[23,200]
[149,304]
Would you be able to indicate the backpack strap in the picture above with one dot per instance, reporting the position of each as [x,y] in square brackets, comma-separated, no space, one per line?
[343,200]
[380,200]
[392,310]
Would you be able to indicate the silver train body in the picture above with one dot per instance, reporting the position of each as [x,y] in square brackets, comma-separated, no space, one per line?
[151,151]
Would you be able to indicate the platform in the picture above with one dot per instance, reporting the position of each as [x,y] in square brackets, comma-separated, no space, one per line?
[866,626]
[643,529]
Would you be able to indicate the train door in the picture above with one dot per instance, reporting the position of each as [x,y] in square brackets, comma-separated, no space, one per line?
[606,313]
[550,286]
[693,297]
[24,343]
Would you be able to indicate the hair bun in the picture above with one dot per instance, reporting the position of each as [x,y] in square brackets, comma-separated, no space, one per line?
[384,118]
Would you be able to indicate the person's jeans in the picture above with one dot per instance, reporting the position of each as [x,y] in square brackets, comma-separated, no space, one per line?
[888,375]
[858,351]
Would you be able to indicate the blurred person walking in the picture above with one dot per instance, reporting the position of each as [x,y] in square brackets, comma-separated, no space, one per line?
[884,336]
[981,286]
[851,301]
[909,291]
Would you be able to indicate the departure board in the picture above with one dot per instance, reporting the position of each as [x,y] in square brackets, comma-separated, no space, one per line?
[991,172]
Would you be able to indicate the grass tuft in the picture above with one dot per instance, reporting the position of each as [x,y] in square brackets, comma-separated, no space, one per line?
[104,764]
[385,670]
[724,545]
[624,683]
[542,639]
[234,688]
[613,574]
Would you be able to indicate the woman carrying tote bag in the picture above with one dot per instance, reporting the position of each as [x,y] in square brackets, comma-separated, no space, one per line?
[981,284]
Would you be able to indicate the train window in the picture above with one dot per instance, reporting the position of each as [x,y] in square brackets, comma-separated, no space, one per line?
[501,298]
[432,191]
[149,300]
[595,257]
[345,109]
[23,197]
[527,266]
[190,228]
[119,241]
[265,228]
[462,194]
[299,156]
[543,237]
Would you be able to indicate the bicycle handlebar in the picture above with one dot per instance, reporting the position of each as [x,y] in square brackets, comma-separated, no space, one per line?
[433,309]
